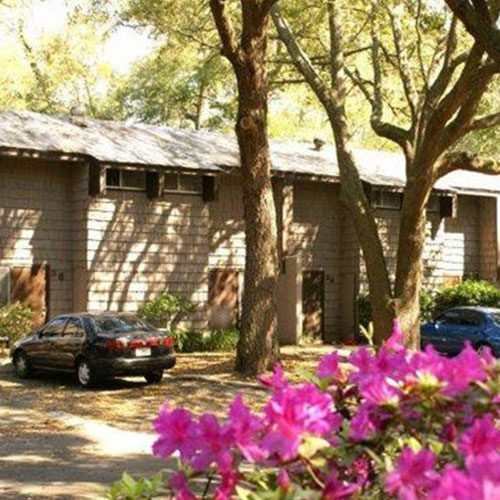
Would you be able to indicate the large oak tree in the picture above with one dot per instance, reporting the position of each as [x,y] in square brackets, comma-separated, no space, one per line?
[246,51]
[442,88]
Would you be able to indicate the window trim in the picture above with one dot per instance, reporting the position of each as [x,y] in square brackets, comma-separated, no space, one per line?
[125,188]
[179,191]
[78,320]
[380,206]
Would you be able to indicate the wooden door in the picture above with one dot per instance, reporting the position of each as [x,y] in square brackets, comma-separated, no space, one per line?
[313,298]
[29,286]
[223,298]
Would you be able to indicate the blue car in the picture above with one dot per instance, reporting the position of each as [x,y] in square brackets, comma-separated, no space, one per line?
[452,328]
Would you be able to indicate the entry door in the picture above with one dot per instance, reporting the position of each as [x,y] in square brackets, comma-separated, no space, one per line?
[28,285]
[313,298]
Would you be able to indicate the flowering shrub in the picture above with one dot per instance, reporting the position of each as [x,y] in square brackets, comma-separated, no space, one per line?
[391,424]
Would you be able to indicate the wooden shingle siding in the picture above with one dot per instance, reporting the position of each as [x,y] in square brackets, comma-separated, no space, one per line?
[452,249]
[36,204]
[316,232]
[139,248]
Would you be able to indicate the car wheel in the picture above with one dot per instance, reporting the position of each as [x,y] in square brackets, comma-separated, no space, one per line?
[153,377]
[85,374]
[21,365]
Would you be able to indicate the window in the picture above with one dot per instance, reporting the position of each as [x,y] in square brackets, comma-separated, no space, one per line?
[120,178]
[74,328]
[461,318]
[120,324]
[181,183]
[386,199]
[471,318]
[433,204]
[54,327]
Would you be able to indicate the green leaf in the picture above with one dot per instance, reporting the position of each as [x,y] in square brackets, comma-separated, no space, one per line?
[311,445]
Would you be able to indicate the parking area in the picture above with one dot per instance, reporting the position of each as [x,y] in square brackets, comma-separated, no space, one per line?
[59,441]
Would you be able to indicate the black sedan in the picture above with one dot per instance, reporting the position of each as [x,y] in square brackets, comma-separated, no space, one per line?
[95,346]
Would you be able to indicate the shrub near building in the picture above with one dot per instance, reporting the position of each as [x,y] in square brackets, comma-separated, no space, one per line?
[15,321]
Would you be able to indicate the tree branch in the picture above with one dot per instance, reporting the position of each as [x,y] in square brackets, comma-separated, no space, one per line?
[484,122]
[301,60]
[230,47]
[484,31]
[403,64]
[471,162]
[381,128]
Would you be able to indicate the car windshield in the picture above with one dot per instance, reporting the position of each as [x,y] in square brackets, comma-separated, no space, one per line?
[120,324]
[496,317]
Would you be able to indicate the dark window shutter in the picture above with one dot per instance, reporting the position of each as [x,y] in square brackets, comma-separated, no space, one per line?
[154,186]
[209,188]
[447,206]
[97,179]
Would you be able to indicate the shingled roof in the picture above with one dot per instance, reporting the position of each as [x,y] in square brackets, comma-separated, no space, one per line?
[143,144]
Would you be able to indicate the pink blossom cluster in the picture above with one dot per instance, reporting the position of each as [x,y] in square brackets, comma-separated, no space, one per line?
[390,423]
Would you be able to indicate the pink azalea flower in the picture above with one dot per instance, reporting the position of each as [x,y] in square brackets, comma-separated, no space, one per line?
[177,431]
[484,467]
[462,371]
[227,486]
[363,426]
[379,393]
[277,380]
[179,483]
[245,427]
[396,341]
[413,475]
[214,443]
[329,366]
[284,480]
[364,361]
[482,438]
[454,484]
[335,489]
[292,412]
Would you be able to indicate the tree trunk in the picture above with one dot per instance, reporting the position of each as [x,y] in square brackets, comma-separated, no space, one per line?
[409,271]
[258,346]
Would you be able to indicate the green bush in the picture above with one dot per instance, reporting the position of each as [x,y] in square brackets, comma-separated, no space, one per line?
[166,310]
[222,340]
[470,292]
[427,307]
[467,293]
[189,341]
[213,341]
[15,321]
[364,310]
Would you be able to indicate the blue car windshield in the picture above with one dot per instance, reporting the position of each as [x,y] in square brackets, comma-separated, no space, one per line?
[496,318]
[120,324]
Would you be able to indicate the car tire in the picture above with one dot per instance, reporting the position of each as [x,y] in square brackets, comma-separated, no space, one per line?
[85,374]
[21,365]
[153,377]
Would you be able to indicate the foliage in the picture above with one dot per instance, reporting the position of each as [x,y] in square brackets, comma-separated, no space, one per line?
[387,424]
[166,310]
[222,340]
[127,488]
[467,293]
[212,341]
[15,320]
[427,306]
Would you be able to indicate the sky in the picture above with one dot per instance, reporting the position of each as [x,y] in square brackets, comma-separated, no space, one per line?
[124,46]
